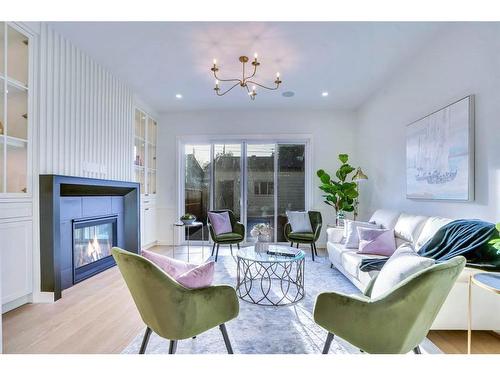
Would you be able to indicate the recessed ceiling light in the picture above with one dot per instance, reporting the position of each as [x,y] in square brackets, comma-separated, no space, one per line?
[324,93]
[178,96]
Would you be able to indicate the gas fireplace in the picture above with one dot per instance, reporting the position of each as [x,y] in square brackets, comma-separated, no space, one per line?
[93,239]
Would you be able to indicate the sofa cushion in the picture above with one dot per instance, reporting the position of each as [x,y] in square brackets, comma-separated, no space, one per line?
[408,227]
[335,235]
[401,265]
[431,226]
[376,241]
[351,237]
[385,218]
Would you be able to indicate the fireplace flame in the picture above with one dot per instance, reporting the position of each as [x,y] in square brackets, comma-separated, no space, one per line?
[94,251]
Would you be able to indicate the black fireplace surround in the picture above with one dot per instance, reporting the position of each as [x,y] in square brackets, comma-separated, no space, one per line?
[80,220]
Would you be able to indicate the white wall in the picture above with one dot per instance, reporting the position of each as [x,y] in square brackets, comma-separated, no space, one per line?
[85,114]
[331,134]
[464,60]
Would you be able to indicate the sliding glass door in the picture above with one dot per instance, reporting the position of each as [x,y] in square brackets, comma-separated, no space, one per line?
[197,166]
[260,202]
[227,178]
[259,182]
[291,181]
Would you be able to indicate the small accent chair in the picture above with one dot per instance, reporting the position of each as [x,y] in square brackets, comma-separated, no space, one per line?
[235,237]
[394,323]
[171,310]
[306,237]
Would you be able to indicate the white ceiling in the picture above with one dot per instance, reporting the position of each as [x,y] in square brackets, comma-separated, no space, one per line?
[350,60]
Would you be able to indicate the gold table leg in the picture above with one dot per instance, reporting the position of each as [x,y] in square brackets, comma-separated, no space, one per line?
[469,316]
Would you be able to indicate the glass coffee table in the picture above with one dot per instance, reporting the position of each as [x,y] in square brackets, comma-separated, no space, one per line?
[270,279]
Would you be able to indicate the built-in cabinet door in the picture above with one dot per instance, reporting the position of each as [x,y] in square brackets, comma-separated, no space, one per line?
[16,252]
[149,231]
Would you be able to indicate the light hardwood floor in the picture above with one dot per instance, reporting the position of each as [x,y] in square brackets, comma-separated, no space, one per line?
[99,316]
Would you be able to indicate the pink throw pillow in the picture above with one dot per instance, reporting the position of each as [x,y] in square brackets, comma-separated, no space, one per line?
[376,241]
[201,276]
[187,274]
[172,267]
[221,222]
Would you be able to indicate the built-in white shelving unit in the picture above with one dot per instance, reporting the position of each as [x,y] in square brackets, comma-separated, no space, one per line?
[16,199]
[145,173]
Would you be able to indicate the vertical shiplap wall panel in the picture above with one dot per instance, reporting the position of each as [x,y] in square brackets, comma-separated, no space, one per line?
[86,126]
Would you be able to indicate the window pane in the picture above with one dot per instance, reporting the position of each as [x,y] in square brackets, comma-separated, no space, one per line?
[260,170]
[197,180]
[227,177]
[291,182]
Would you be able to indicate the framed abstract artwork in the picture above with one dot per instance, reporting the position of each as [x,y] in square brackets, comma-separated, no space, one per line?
[440,154]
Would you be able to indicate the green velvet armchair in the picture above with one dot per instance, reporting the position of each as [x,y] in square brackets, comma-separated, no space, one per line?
[235,237]
[171,310]
[306,237]
[394,323]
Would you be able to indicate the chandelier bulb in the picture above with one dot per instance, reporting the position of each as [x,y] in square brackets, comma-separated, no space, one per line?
[255,55]
[278,75]
[215,61]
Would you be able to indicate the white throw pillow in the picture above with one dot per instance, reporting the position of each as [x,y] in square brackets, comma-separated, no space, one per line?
[408,227]
[432,225]
[299,221]
[351,232]
[403,263]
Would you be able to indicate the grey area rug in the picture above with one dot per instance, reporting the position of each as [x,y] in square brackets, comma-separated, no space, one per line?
[266,330]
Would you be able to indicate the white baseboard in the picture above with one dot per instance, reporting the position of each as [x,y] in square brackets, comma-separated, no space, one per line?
[6,307]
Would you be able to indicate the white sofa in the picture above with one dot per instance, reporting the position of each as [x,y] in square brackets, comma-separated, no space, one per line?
[417,230]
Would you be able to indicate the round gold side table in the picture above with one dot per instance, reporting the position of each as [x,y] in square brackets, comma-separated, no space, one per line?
[486,280]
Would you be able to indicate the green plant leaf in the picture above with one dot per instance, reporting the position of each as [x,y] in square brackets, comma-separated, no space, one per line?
[343,158]
[325,178]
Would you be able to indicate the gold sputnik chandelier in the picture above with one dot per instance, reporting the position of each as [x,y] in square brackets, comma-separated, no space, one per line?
[245,81]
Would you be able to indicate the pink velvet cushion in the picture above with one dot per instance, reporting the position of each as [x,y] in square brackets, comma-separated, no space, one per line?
[187,274]
[201,276]
[221,222]
[376,241]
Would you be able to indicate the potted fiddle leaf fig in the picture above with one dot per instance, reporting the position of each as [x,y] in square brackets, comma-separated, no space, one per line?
[339,193]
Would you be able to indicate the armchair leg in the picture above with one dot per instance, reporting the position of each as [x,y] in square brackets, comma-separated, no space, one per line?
[145,341]
[238,245]
[297,245]
[312,251]
[217,253]
[315,248]
[328,342]
[291,243]
[226,338]
[231,247]
[416,350]
[172,347]
[213,248]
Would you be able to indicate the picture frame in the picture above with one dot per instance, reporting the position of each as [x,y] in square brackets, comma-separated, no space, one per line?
[440,154]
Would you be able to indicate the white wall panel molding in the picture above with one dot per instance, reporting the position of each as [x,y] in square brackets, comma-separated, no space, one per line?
[85,114]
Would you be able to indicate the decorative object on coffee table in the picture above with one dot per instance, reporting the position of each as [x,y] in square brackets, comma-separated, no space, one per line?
[340,193]
[270,279]
[262,234]
[486,280]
